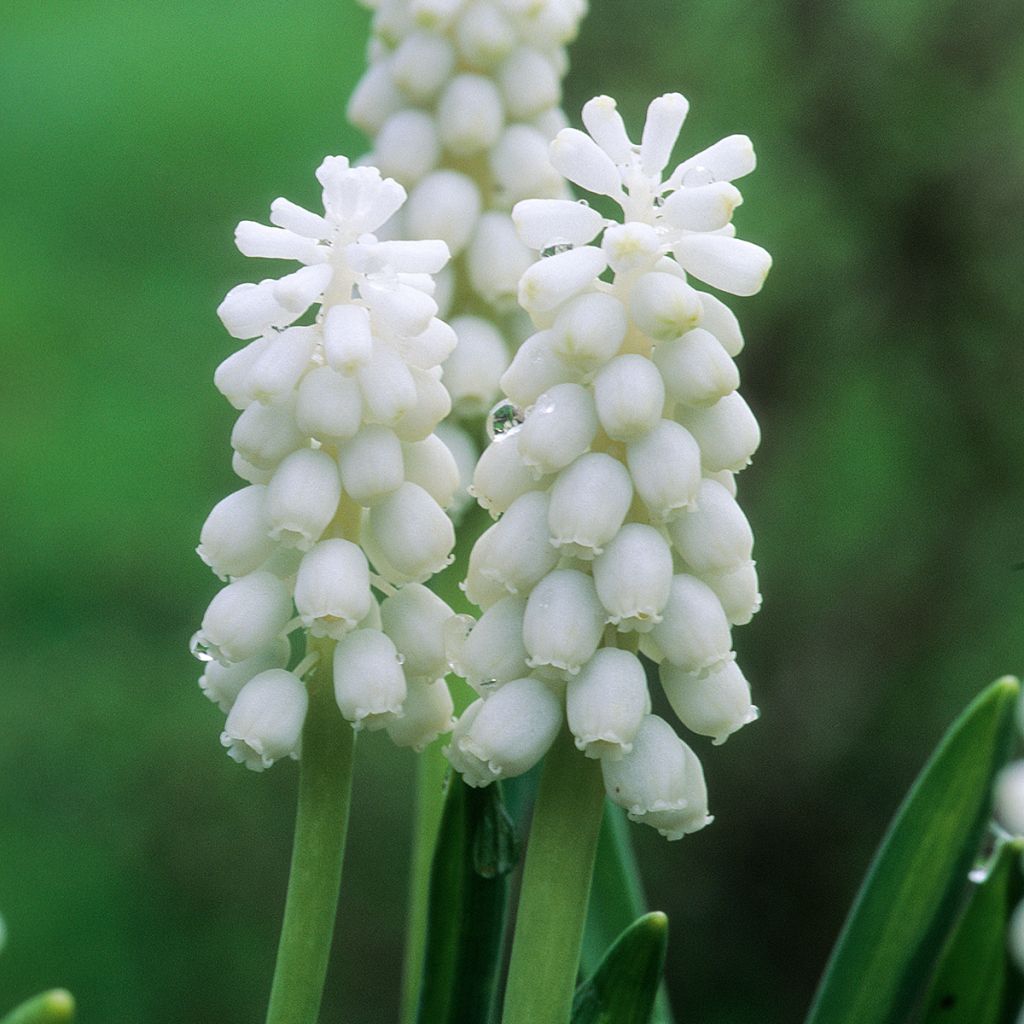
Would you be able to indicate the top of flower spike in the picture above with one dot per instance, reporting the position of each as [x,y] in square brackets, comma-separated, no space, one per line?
[338,252]
[687,213]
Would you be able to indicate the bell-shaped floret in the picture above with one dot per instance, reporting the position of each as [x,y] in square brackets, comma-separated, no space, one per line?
[421,65]
[265,723]
[563,622]
[715,705]
[497,259]
[660,782]
[275,374]
[501,476]
[387,386]
[371,465]
[472,371]
[559,428]
[665,467]
[520,164]
[507,734]
[431,464]
[606,703]
[1009,799]
[415,620]
[374,99]
[589,330]
[222,683]
[328,406]
[244,618]
[431,406]
[588,505]
[348,343]
[444,205]
[302,498]
[630,397]
[407,146]
[516,551]
[264,434]
[693,633]
[727,432]
[633,577]
[721,321]
[369,684]
[426,714]
[664,306]
[493,652]
[432,347]
[231,378]
[696,368]
[235,538]
[332,588]
[485,35]
[411,533]
[737,589]
[470,115]
[529,83]
[714,536]
[536,367]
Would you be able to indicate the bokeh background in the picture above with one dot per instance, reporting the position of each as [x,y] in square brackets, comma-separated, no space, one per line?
[141,868]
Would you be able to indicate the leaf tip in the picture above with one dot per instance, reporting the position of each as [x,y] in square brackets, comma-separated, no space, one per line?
[60,1004]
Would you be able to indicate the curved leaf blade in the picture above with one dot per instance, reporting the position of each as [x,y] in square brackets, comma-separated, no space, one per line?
[54,1007]
[886,953]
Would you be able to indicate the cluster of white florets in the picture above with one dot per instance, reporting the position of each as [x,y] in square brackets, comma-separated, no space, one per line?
[347,482]
[461,100]
[612,471]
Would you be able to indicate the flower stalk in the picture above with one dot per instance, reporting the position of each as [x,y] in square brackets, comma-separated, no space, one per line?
[556,887]
[321,824]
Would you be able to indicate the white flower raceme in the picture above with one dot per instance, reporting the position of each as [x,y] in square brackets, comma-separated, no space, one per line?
[612,471]
[346,480]
[461,100]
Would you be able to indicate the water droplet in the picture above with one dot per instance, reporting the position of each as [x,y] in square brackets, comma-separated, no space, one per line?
[503,419]
[978,875]
[200,647]
[555,247]
[659,202]
[582,202]
[454,632]
[400,658]
[488,684]
[697,175]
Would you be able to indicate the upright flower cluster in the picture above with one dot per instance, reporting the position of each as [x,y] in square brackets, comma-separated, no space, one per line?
[336,442]
[461,100]
[612,471]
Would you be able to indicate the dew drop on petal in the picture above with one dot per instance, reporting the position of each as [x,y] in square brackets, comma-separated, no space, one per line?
[503,419]
[200,647]
[556,247]
[697,176]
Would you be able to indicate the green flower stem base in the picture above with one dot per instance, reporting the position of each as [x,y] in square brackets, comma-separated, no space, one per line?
[556,886]
[325,788]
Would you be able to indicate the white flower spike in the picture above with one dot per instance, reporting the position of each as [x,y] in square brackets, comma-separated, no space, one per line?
[611,469]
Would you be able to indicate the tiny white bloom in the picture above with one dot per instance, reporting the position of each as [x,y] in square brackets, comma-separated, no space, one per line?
[369,684]
[265,722]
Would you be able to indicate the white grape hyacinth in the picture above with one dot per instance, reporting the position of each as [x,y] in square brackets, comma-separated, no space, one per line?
[345,481]
[611,474]
[461,99]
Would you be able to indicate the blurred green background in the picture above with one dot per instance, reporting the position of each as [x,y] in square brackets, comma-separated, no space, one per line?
[142,869]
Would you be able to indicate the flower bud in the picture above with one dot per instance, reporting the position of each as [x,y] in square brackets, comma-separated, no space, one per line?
[222,683]
[235,538]
[472,371]
[720,320]
[665,467]
[431,464]
[497,259]
[371,465]
[275,374]
[558,429]
[431,406]
[629,395]
[546,222]
[694,632]
[445,205]
[415,618]
[729,264]
[517,552]
[501,476]
[348,343]
[470,115]
[243,618]
[374,99]
[589,330]
[664,306]
[737,590]
[696,368]
[633,578]
[332,588]
[589,502]
[714,535]
[563,622]
[494,652]
[726,160]
[422,64]
[407,146]
[231,377]
[715,705]
[248,472]
[529,84]
[432,347]
[426,714]
[727,432]
[302,498]
[535,368]
[369,684]
[485,35]
[1009,798]
[584,163]
[631,247]
[265,723]
[508,733]
[387,386]
[412,534]
[703,207]
[660,782]
[328,406]
[521,168]
[264,434]
[555,279]
[606,703]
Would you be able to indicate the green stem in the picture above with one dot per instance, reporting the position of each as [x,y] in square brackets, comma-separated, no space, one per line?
[325,788]
[556,886]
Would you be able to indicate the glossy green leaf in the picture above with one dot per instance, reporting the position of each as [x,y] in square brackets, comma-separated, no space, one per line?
[976,983]
[888,949]
[623,988]
[465,940]
[616,899]
[54,1007]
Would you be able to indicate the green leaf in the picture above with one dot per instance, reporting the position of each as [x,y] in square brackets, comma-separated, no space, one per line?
[54,1007]
[976,983]
[616,899]
[623,988]
[909,901]
[465,941]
